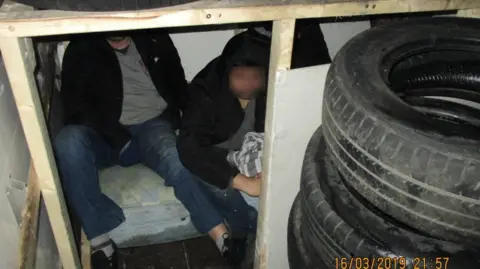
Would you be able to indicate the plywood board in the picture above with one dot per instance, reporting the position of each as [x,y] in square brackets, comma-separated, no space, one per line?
[299,94]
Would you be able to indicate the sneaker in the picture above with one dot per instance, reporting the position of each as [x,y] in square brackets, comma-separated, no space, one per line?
[234,250]
[100,260]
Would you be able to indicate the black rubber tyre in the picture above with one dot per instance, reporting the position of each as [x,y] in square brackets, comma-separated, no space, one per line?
[421,170]
[343,227]
[101,5]
[397,238]
[326,235]
[297,256]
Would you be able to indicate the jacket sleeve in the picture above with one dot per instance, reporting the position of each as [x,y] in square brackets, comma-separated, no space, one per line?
[79,106]
[174,72]
[197,150]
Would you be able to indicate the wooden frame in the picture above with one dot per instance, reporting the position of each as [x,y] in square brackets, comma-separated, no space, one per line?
[85,252]
[29,224]
[281,51]
[38,23]
[19,58]
[17,27]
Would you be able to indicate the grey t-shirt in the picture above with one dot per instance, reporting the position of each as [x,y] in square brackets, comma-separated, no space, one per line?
[248,125]
[141,100]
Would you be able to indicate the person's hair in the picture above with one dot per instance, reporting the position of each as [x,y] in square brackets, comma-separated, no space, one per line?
[246,63]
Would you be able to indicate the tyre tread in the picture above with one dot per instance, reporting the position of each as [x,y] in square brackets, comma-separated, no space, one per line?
[373,146]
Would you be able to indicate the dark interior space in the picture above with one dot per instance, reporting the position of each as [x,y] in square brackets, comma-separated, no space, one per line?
[197,253]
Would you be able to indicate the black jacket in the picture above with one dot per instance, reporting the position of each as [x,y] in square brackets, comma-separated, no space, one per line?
[214,114]
[92,86]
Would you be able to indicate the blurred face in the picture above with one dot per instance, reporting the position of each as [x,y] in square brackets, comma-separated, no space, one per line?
[246,82]
[119,42]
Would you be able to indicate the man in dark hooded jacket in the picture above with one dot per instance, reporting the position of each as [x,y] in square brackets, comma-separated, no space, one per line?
[228,100]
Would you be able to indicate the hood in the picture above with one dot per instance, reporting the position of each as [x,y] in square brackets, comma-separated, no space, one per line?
[250,47]
[247,47]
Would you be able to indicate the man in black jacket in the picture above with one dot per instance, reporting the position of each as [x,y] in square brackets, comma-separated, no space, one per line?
[229,100]
[123,96]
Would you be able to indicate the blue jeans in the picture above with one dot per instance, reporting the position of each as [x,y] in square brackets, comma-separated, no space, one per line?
[81,152]
[239,215]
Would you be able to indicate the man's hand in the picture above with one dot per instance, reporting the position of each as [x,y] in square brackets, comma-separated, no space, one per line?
[249,185]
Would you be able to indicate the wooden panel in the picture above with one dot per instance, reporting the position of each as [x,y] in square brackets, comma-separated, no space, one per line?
[38,23]
[469,13]
[29,224]
[299,113]
[86,252]
[280,57]
[19,59]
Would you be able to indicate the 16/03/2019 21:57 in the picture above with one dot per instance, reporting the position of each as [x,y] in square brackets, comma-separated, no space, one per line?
[391,263]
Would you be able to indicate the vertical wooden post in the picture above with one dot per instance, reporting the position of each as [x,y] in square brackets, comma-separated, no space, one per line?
[19,58]
[86,251]
[29,225]
[280,58]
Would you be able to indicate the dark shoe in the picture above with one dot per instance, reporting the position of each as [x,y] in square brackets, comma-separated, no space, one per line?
[234,250]
[249,260]
[101,261]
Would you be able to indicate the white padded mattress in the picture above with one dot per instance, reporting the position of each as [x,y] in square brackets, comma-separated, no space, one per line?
[153,214]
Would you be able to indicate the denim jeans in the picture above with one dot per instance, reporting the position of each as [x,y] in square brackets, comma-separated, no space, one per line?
[241,217]
[81,152]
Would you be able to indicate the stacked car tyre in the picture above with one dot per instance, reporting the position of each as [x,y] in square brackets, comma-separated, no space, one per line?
[392,177]
[101,5]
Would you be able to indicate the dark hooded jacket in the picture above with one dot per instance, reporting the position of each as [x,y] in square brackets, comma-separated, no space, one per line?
[214,114]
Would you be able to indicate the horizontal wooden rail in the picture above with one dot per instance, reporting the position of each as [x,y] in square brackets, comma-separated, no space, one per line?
[54,22]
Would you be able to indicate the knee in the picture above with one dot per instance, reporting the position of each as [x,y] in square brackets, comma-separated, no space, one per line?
[71,141]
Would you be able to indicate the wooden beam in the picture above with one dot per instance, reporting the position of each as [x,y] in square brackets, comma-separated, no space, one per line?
[280,58]
[54,22]
[469,13]
[31,209]
[86,252]
[19,58]
[29,224]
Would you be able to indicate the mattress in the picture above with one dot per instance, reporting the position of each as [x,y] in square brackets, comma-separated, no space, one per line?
[153,214]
